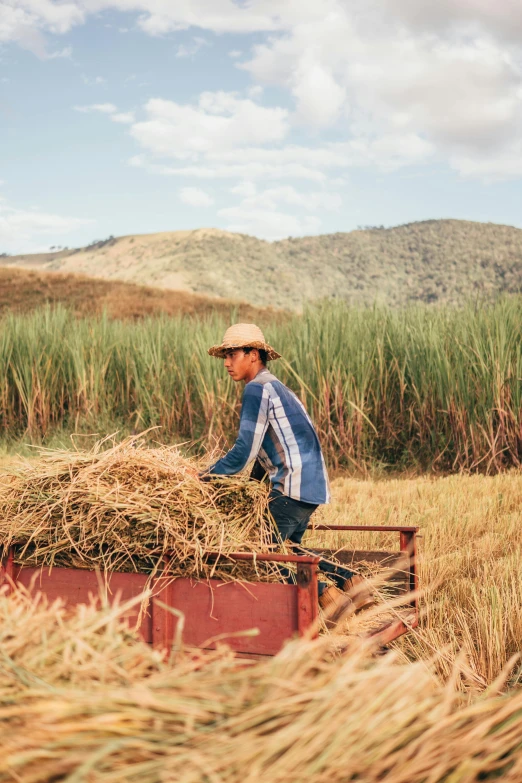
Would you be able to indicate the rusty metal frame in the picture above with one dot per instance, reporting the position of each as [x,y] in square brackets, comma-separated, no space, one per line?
[408,544]
[163,621]
[306,583]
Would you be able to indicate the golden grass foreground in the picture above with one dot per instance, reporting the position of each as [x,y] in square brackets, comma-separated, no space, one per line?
[82,699]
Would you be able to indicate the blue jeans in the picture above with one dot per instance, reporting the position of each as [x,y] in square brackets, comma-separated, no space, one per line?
[292,518]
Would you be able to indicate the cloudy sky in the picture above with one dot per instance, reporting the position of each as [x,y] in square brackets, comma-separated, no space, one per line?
[269,117]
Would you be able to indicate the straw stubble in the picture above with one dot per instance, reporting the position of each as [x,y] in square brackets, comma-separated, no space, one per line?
[82,699]
[126,507]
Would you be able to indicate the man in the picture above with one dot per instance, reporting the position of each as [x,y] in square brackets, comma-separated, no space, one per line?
[276,432]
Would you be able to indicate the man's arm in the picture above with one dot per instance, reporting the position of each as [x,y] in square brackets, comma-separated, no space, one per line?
[253,425]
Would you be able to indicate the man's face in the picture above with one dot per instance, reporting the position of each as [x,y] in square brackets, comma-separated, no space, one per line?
[239,364]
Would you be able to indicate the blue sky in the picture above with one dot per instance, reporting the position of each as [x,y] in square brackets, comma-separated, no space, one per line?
[269,117]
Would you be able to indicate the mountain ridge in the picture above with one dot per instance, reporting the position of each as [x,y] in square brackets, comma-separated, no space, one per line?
[430,261]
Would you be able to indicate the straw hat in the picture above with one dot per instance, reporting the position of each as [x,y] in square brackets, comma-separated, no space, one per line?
[243,336]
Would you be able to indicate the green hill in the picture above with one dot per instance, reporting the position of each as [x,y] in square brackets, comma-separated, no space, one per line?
[431,261]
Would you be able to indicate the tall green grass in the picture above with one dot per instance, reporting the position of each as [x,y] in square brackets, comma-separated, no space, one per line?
[420,387]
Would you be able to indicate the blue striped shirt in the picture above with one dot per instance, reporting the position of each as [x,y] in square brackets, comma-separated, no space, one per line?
[276,430]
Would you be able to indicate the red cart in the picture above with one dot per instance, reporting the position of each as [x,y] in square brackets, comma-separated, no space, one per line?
[216,610]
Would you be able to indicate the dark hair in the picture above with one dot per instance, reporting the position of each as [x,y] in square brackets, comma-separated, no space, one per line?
[263,355]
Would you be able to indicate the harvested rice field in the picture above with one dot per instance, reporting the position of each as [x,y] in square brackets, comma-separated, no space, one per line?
[83,698]
[470,562]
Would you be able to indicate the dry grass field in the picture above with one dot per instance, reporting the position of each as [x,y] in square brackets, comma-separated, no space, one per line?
[470,562]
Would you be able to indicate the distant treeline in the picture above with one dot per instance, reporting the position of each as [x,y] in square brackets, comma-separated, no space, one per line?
[414,388]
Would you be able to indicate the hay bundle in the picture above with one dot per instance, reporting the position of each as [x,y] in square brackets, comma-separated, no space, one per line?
[82,699]
[123,507]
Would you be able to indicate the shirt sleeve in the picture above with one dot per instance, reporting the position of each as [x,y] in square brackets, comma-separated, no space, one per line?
[253,425]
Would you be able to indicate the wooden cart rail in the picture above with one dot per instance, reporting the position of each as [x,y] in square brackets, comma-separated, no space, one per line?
[217,610]
[402,565]
[407,543]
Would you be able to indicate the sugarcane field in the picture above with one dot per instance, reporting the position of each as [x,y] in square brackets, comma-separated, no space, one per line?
[260,391]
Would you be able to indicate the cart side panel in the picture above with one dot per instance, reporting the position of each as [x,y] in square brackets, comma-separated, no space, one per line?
[220,609]
[211,609]
[77,586]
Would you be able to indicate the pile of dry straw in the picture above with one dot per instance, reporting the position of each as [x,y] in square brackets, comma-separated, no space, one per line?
[124,506]
[82,699]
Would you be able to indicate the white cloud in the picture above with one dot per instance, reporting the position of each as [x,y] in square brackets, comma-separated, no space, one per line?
[262,211]
[268,199]
[505,164]
[503,17]
[268,224]
[214,168]
[397,78]
[125,117]
[223,16]
[386,82]
[102,108]
[192,48]
[256,91]
[455,95]
[220,121]
[26,22]
[224,136]
[20,15]
[391,151]
[26,230]
[319,97]
[246,189]
[294,161]
[195,197]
